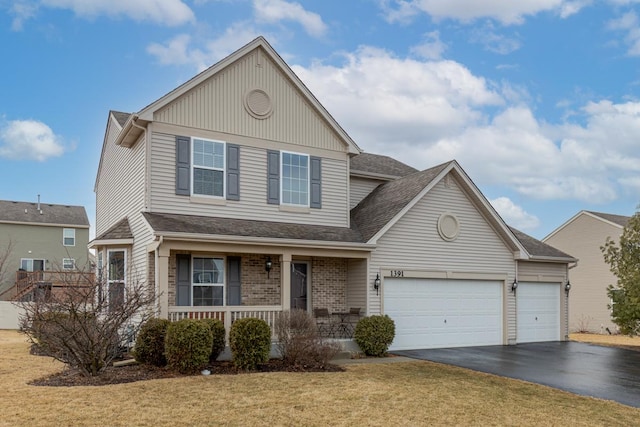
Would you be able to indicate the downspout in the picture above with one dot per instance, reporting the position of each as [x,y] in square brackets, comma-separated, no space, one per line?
[157,272]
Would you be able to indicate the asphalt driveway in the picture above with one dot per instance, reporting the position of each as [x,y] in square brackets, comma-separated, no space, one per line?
[585,369]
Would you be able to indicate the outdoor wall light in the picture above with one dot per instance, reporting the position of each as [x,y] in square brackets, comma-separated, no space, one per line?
[376,283]
[267,265]
[567,287]
[514,286]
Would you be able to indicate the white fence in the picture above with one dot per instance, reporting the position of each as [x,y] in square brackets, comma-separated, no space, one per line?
[9,314]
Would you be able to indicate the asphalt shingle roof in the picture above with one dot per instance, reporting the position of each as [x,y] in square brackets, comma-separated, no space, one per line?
[120,117]
[27,212]
[537,248]
[249,228]
[120,230]
[378,164]
[616,219]
[388,199]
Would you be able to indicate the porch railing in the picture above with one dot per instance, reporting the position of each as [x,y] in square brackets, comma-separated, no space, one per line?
[29,283]
[228,315]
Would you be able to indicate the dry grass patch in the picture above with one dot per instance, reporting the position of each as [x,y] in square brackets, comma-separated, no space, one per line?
[411,393]
[608,340]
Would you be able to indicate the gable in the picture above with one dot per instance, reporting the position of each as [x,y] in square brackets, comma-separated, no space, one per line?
[253,97]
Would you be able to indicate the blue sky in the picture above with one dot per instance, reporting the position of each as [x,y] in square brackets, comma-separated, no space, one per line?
[537,99]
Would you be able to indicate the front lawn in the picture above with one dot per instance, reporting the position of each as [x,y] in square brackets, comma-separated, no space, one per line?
[407,393]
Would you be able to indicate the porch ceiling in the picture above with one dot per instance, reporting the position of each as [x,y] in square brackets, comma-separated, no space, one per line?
[191,224]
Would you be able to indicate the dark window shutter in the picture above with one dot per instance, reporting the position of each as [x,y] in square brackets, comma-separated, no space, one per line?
[234,283]
[316,183]
[273,177]
[183,163]
[233,172]
[183,280]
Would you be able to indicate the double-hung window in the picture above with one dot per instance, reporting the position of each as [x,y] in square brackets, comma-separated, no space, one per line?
[208,167]
[295,179]
[116,277]
[68,263]
[208,281]
[69,236]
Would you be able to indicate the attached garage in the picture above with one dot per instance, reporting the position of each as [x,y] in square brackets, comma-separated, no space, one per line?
[440,313]
[538,312]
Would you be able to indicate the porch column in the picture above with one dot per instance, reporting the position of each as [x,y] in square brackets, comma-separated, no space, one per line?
[285,284]
[162,280]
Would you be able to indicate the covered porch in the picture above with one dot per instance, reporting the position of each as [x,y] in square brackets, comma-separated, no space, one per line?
[230,281]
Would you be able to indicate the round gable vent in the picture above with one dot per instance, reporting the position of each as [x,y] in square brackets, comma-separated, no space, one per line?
[258,103]
[448,227]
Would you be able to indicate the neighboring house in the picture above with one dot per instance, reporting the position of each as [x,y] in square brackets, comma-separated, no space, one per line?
[43,237]
[582,236]
[238,195]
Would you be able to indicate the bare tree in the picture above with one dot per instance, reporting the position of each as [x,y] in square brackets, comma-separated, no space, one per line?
[5,257]
[82,324]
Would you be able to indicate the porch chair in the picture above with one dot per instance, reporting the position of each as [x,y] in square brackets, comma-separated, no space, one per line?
[354,317]
[324,322]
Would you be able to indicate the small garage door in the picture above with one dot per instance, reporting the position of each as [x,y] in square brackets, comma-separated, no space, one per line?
[538,312]
[439,313]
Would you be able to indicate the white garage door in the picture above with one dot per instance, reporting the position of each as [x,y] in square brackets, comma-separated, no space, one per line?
[439,313]
[538,312]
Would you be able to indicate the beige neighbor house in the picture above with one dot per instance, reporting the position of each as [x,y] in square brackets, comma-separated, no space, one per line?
[238,195]
[45,239]
[582,236]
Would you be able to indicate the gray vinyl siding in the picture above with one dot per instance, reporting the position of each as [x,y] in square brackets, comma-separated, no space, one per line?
[549,272]
[121,194]
[413,243]
[588,300]
[253,189]
[218,104]
[360,188]
[357,284]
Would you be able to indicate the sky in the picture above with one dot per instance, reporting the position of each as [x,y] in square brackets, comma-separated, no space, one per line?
[536,99]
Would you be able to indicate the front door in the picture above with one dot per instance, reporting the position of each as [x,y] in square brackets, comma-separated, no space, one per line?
[299,285]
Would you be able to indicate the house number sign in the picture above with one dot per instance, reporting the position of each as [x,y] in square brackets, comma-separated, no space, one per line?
[397,273]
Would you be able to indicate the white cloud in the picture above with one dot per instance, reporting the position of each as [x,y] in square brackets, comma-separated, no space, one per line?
[506,11]
[494,42]
[274,11]
[514,215]
[628,23]
[431,48]
[180,51]
[427,112]
[30,140]
[383,98]
[163,12]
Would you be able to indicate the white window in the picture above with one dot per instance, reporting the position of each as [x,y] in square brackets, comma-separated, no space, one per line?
[208,167]
[68,263]
[207,280]
[116,277]
[29,264]
[69,237]
[295,179]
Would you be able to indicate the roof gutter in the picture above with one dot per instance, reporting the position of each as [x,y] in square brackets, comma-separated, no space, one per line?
[126,137]
[263,241]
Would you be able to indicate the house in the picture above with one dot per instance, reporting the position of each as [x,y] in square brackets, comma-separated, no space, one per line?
[40,240]
[582,236]
[237,194]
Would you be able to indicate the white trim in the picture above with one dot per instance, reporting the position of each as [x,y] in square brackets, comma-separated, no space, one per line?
[73,263]
[64,236]
[109,280]
[212,284]
[192,168]
[44,224]
[308,157]
[109,242]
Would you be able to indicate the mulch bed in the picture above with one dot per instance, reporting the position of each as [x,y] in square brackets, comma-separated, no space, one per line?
[131,373]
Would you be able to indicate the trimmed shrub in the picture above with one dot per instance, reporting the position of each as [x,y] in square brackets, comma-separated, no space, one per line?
[298,341]
[149,347]
[188,345]
[250,342]
[374,334]
[218,331]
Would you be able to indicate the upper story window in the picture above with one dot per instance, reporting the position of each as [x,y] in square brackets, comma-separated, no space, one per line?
[295,179]
[69,237]
[208,167]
